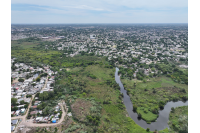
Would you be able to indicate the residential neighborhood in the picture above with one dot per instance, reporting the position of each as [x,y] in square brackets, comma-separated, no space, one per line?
[28,85]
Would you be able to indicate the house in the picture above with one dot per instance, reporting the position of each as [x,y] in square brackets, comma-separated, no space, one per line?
[57,108]
[33,112]
[57,115]
[20,100]
[17,112]
[12,112]
[27,100]
[23,110]
[17,97]
[37,102]
[53,120]
[12,128]
[40,111]
[20,106]
[39,119]
[14,122]
[34,107]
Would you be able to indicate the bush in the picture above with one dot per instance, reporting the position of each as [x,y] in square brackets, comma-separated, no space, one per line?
[172,109]
[21,80]
[145,110]
[27,96]
[144,80]
[134,108]
[139,115]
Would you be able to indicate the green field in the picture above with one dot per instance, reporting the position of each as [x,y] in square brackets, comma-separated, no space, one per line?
[148,97]
[24,45]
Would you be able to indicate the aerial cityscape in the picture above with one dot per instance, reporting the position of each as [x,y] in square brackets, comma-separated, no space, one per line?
[99,66]
[64,77]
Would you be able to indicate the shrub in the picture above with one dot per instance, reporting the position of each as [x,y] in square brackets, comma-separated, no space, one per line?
[172,109]
[139,115]
[21,80]
[145,110]
[134,107]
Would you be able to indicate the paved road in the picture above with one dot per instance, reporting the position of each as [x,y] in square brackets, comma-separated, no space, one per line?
[28,123]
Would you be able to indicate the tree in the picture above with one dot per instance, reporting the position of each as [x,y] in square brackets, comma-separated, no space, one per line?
[33,84]
[147,130]
[14,101]
[38,79]
[21,102]
[26,106]
[139,115]
[21,80]
[14,108]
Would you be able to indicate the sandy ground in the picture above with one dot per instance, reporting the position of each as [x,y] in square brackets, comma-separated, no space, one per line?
[16,80]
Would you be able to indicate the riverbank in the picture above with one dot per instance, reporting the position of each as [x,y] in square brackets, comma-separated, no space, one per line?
[161,121]
[151,96]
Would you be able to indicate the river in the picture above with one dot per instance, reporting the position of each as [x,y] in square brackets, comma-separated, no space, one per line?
[161,122]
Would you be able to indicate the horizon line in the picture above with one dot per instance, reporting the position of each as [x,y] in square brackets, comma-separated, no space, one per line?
[99,23]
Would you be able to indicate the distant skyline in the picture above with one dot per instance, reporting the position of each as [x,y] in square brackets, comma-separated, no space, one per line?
[101,11]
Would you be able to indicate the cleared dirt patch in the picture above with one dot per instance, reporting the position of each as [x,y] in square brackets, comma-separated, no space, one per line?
[80,109]
[16,80]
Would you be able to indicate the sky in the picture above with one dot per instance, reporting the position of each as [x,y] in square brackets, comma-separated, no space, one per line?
[98,11]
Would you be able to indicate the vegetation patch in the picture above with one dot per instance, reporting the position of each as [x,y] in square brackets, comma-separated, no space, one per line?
[146,114]
[151,96]
[178,120]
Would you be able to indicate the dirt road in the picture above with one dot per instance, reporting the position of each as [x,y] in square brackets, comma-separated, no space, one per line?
[30,124]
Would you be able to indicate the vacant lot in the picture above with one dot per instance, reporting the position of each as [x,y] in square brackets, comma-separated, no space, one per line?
[80,109]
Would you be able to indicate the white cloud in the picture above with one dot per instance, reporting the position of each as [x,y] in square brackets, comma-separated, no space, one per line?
[119,11]
[85,7]
[100,4]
